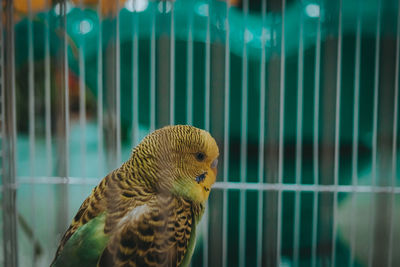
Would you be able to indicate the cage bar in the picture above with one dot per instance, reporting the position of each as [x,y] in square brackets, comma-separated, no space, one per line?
[207,72]
[153,71]
[337,133]
[100,146]
[189,80]
[64,131]
[207,127]
[281,137]
[299,135]
[48,135]
[316,139]
[172,67]
[10,243]
[31,118]
[118,85]
[226,138]
[135,79]
[243,140]
[31,96]
[355,128]
[372,225]
[225,186]
[394,144]
[261,143]
[82,95]
[63,15]
[48,116]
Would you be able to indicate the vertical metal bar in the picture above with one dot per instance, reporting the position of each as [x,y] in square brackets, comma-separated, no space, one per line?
[394,145]
[226,140]
[47,92]
[316,139]
[82,96]
[153,71]
[31,94]
[47,87]
[2,85]
[374,136]
[118,84]
[9,187]
[66,89]
[207,126]
[172,67]
[243,142]
[355,130]
[135,79]
[337,134]
[281,136]
[189,62]
[100,90]
[31,108]
[207,73]
[299,143]
[63,169]
[2,130]
[2,92]
[261,143]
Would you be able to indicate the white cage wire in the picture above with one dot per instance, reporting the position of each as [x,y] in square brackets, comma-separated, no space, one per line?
[298,97]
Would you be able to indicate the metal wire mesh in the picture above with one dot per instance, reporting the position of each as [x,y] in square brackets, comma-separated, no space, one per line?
[301,96]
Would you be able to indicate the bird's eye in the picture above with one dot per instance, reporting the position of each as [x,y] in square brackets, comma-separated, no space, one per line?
[200,156]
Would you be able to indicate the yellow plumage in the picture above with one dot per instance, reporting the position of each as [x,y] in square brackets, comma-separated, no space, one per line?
[148,208]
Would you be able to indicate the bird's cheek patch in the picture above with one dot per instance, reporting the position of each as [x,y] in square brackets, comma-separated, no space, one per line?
[201,177]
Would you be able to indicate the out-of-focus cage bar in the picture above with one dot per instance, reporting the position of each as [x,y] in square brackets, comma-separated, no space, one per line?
[301,96]
[8,137]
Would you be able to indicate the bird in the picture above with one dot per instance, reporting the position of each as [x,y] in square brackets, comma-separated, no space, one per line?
[145,212]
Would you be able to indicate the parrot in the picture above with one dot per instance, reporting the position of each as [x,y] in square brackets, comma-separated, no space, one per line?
[145,212]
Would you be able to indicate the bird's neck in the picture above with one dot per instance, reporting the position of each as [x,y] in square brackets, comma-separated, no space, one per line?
[197,209]
[142,169]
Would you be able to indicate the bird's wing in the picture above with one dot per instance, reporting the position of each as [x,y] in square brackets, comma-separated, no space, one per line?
[154,234]
[92,207]
[85,245]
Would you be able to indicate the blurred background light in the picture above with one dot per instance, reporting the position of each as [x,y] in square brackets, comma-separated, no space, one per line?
[312,10]
[201,9]
[136,5]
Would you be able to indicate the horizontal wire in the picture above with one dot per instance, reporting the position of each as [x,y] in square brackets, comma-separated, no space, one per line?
[230,185]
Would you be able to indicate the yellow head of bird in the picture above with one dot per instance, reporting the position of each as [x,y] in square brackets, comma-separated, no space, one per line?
[181,160]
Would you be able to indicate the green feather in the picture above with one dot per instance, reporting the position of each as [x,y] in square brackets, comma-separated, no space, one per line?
[192,243]
[85,245]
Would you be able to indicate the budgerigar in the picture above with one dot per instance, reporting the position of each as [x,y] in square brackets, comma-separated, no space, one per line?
[145,212]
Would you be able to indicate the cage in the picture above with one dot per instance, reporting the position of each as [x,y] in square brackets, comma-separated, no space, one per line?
[301,96]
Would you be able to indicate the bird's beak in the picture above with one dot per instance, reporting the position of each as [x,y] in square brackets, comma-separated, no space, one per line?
[214,166]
